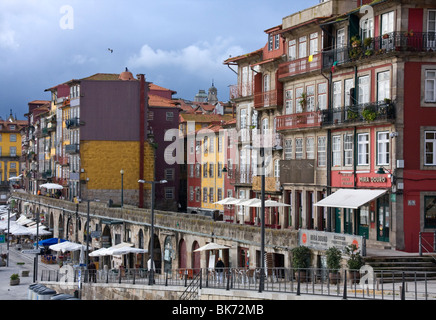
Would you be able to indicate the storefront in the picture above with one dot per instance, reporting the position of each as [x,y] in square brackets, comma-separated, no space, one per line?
[363,212]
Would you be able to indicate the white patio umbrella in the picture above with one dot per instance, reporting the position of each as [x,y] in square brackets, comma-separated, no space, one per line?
[50,186]
[251,203]
[229,200]
[18,230]
[109,251]
[41,231]
[273,203]
[99,253]
[67,246]
[211,246]
[126,250]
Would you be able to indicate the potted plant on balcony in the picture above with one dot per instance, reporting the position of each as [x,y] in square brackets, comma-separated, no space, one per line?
[352,114]
[303,102]
[367,42]
[369,114]
[334,257]
[301,261]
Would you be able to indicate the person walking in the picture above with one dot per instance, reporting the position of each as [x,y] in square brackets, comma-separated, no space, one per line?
[219,268]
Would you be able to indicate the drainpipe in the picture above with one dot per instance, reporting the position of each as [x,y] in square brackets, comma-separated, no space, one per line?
[141,138]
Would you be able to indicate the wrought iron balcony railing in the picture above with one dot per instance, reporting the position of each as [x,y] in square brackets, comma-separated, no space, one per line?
[372,47]
[367,112]
[299,120]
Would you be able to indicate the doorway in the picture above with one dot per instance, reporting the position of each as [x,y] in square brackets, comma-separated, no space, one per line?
[383,217]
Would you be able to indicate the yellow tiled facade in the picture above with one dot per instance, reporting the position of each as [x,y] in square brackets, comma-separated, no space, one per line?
[10,149]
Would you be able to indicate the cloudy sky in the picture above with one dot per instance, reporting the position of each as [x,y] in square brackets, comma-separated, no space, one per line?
[177,44]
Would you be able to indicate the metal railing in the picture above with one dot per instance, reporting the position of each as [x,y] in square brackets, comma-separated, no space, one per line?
[370,284]
[378,46]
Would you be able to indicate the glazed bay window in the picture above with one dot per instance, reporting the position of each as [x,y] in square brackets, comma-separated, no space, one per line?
[363,149]
[430,148]
[337,92]
[383,148]
[292,49]
[430,85]
[348,150]
[336,149]
[383,85]
[363,87]
[310,97]
[299,96]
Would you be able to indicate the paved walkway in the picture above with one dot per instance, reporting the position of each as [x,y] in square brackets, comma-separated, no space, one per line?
[18,292]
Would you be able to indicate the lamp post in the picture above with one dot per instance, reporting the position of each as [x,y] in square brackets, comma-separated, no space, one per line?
[151,273]
[122,187]
[262,212]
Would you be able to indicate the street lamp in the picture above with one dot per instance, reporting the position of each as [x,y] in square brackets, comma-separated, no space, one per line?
[262,211]
[153,183]
[122,188]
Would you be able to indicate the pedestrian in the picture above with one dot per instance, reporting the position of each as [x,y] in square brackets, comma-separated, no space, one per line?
[92,272]
[219,268]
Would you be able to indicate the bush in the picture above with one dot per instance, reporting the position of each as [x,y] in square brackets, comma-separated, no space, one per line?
[334,257]
[301,257]
[15,276]
[355,260]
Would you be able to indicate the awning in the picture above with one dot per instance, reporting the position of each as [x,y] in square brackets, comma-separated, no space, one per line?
[350,198]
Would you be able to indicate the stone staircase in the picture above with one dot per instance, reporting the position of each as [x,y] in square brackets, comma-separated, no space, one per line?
[412,267]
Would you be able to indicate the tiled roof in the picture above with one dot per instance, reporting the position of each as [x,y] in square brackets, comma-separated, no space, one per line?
[204,118]
[157,101]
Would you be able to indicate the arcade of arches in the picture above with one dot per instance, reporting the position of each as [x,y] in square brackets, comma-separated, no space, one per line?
[176,239]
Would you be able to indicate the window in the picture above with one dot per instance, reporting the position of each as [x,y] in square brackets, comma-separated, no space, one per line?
[382,148]
[387,22]
[313,43]
[349,85]
[363,149]
[310,92]
[367,28]
[169,174]
[336,149]
[197,170]
[191,170]
[219,194]
[431,28]
[430,148]
[13,151]
[220,144]
[322,151]
[205,145]
[170,116]
[212,145]
[322,96]
[191,193]
[348,149]
[363,85]
[243,118]
[299,148]
[383,84]
[150,115]
[337,94]
[299,97]
[288,149]
[197,194]
[211,195]
[211,168]
[276,41]
[13,138]
[169,193]
[219,170]
[265,125]
[205,170]
[430,212]
[289,101]
[430,86]
[277,169]
[292,50]
[204,194]
[302,47]
[270,42]
[310,148]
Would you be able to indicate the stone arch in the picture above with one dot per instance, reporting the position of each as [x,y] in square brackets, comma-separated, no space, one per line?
[51,222]
[182,254]
[140,257]
[157,253]
[195,258]
[61,233]
[106,242]
[168,254]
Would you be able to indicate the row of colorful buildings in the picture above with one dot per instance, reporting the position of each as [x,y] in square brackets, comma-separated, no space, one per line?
[347,89]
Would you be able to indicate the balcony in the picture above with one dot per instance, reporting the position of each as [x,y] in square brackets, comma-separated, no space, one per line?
[72,148]
[240,176]
[299,120]
[381,111]
[241,91]
[63,161]
[377,47]
[73,123]
[300,66]
[268,99]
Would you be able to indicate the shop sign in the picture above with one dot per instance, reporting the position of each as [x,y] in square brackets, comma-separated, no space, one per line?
[373,179]
[321,240]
